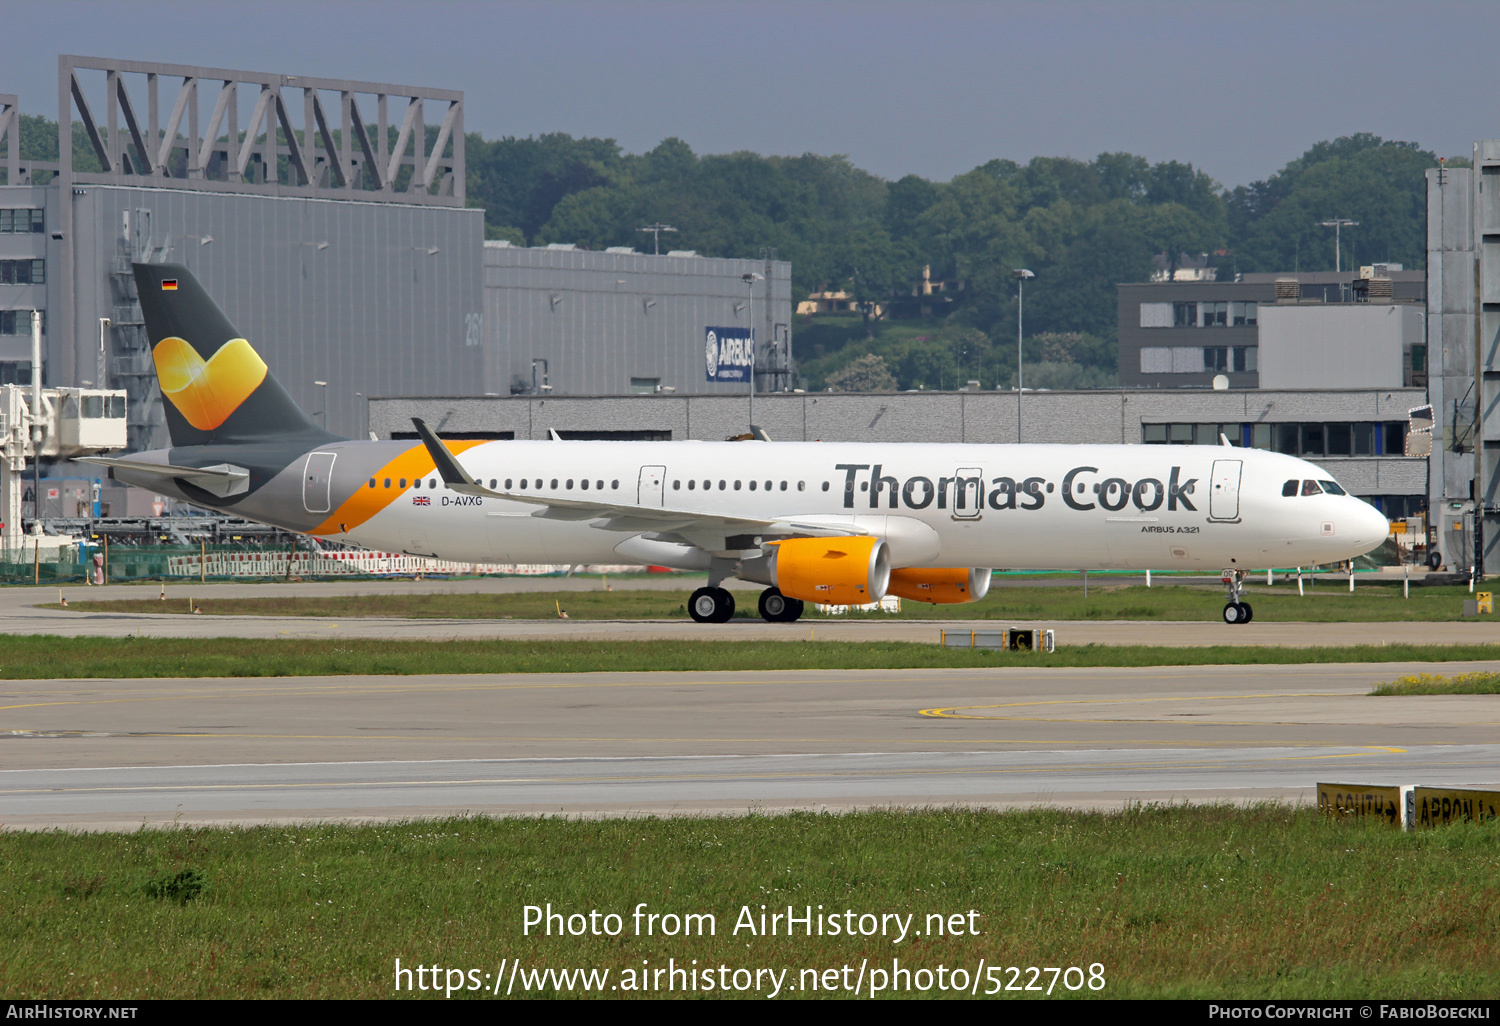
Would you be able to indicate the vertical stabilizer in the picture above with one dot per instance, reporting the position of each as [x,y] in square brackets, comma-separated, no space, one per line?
[215,388]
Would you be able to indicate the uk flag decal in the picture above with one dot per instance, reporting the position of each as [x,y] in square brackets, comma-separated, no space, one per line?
[421,500]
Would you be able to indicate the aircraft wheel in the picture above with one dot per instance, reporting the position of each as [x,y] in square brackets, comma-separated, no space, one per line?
[777,608]
[1249,614]
[711,605]
[1232,613]
[1434,559]
[726,606]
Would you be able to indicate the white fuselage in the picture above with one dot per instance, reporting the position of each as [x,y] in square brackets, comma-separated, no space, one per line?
[950,505]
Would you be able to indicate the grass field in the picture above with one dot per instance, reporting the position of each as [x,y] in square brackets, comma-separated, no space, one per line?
[30,657]
[1327,602]
[1207,901]
[1481,683]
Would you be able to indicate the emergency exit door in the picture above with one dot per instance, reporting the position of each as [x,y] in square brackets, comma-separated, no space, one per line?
[651,489]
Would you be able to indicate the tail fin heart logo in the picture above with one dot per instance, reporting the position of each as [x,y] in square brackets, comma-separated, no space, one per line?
[206,393]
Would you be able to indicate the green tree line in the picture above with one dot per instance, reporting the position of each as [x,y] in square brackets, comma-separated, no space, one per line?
[1081,226]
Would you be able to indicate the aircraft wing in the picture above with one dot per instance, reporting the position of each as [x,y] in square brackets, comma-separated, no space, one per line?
[698,527]
[221,479]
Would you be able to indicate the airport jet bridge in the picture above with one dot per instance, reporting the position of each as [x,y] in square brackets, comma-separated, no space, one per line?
[50,423]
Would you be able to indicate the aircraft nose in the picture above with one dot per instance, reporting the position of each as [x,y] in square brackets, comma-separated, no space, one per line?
[1370,526]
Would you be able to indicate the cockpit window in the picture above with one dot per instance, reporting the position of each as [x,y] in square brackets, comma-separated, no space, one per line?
[1332,488]
[1290,488]
[1311,488]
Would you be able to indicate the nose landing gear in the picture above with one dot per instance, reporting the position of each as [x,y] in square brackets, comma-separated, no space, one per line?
[1235,611]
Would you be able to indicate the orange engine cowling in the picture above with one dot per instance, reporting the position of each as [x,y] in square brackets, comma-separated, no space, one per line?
[940,586]
[837,571]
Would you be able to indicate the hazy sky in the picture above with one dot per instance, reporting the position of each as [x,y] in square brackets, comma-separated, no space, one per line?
[933,88]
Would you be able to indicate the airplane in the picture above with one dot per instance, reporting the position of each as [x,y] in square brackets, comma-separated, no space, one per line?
[837,523]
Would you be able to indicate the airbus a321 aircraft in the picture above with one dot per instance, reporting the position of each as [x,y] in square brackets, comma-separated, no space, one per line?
[813,521]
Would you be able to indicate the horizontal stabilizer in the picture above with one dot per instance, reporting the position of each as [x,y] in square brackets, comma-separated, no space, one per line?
[221,479]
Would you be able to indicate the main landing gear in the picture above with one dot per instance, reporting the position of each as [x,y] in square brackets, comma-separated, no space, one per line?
[777,608]
[1235,611]
[711,605]
[715,605]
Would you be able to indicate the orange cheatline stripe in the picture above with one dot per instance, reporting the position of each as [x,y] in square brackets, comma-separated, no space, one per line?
[367,501]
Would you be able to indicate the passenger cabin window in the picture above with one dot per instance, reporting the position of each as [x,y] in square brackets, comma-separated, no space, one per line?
[1289,489]
[1332,488]
[1311,488]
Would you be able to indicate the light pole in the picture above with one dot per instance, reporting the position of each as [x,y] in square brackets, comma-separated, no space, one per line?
[1337,223]
[750,279]
[656,230]
[1021,274]
[324,412]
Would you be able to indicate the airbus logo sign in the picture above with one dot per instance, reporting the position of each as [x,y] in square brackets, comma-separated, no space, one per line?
[729,353]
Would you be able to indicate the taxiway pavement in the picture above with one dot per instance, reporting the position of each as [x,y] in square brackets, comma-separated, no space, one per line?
[114,754]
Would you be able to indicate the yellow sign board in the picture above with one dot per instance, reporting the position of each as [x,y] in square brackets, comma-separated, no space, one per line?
[1486,602]
[1440,806]
[1361,801]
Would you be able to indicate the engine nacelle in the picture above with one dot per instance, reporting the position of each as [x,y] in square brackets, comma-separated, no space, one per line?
[841,571]
[940,586]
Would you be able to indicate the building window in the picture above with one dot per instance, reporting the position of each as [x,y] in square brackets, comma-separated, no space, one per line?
[1244,358]
[22,222]
[1156,360]
[23,272]
[1187,360]
[1184,315]
[1242,314]
[644,386]
[1156,315]
[1215,359]
[1213,315]
[1313,440]
[18,322]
